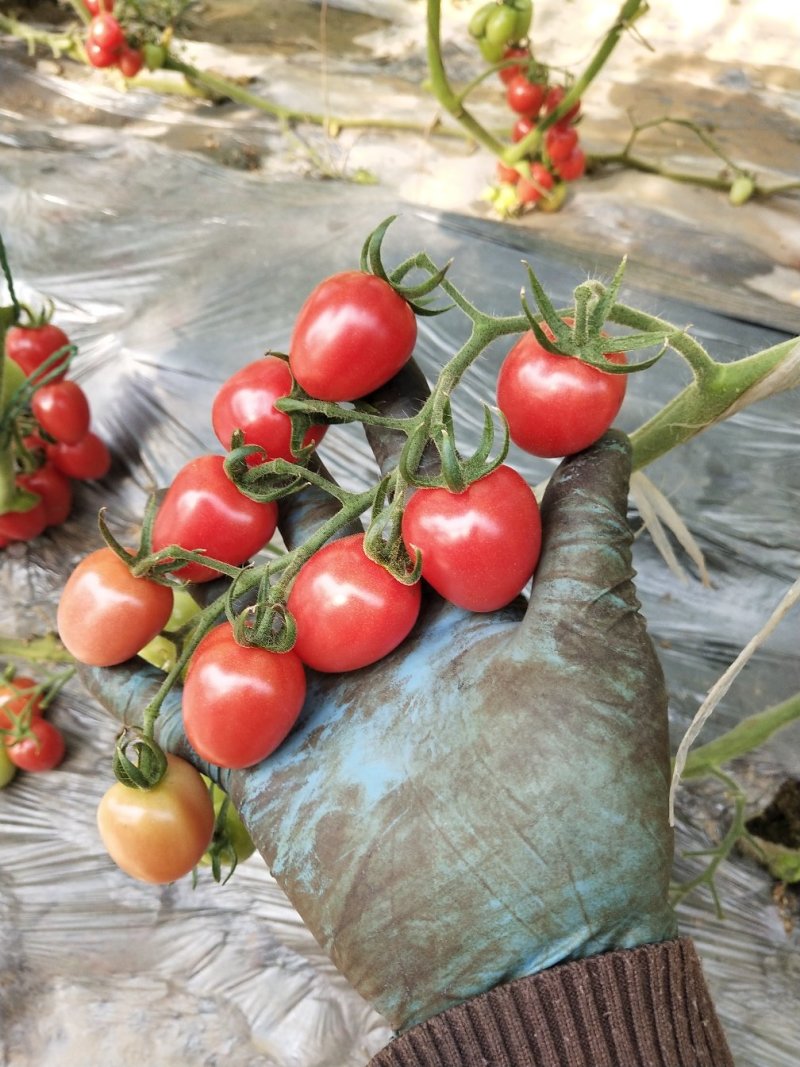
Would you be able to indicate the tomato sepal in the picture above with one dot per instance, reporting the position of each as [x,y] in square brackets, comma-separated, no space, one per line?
[151,761]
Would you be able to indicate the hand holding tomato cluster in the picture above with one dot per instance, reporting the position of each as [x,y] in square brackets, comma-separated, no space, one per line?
[45,435]
[500,772]
[340,599]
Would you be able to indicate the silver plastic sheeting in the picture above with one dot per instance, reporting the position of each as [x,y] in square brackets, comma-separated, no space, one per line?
[170,272]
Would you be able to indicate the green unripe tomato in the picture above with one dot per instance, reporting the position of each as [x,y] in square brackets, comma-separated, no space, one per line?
[231,840]
[554,200]
[162,652]
[477,24]
[7,768]
[524,10]
[154,55]
[13,377]
[492,53]
[184,608]
[501,26]
[742,188]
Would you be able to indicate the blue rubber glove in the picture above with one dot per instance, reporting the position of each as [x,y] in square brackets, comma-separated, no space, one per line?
[489,800]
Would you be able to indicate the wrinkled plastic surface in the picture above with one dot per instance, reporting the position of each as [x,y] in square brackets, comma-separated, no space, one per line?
[169,272]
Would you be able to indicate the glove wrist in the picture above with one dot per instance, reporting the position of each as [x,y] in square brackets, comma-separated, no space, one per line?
[643,1007]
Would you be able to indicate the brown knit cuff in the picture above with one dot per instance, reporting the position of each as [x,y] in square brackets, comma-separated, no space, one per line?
[642,1007]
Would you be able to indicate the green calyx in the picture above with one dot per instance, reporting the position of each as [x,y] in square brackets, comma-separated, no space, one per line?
[584,338]
[149,763]
[414,295]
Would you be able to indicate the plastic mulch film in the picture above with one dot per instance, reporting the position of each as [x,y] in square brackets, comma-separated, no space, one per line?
[169,272]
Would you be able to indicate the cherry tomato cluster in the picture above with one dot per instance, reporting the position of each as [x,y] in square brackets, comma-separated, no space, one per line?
[106,43]
[338,604]
[48,437]
[28,741]
[558,158]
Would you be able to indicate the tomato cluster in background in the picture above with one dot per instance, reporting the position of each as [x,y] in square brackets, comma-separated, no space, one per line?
[28,741]
[500,29]
[106,43]
[50,442]
[539,178]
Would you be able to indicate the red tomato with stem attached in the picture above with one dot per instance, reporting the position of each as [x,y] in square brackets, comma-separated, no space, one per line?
[30,346]
[349,610]
[54,489]
[479,547]
[573,167]
[106,614]
[246,401]
[524,96]
[240,702]
[555,94]
[42,751]
[560,142]
[62,411]
[158,835]
[508,74]
[353,334]
[105,32]
[507,174]
[15,701]
[130,61]
[87,460]
[522,127]
[530,190]
[100,57]
[23,525]
[203,510]
[556,405]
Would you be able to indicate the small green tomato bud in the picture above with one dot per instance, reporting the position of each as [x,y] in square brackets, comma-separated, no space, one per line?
[742,188]
[154,56]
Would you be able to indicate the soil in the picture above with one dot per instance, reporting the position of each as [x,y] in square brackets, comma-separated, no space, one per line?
[780,820]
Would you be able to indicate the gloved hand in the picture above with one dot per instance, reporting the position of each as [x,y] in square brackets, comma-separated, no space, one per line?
[490,799]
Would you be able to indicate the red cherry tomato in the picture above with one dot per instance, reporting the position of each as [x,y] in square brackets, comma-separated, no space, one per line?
[157,835]
[203,510]
[95,7]
[23,525]
[508,74]
[130,61]
[15,702]
[352,335]
[105,32]
[62,411]
[573,167]
[40,752]
[555,94]
[529,190]
[246,401]
[30,346]
[349,610]
[87,460]
[556,405]
[507,174]
[525,97]
[105,614]
[560,142]
[239,703]
[54,489]
[100,57]
[480,547]
[522,127]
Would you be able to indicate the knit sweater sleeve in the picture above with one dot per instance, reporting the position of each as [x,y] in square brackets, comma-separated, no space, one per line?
[642,1007]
